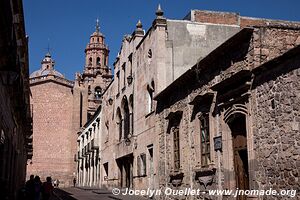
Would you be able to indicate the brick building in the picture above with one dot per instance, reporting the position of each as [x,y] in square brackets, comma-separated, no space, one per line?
[62,107]
[15,109]
[52,101]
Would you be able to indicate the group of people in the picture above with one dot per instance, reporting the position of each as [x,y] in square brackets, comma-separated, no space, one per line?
[36,190]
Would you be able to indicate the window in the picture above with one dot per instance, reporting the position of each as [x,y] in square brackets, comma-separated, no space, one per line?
[131,113]
[118,77]
[150,89]
[176,148]
[124,74]
[205,141]
[130,64]
[90,61]
[98,92]
[126,117]
[98,61]
[119,123]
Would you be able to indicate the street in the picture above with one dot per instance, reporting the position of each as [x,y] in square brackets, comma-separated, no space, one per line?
[89,194]
[80,194]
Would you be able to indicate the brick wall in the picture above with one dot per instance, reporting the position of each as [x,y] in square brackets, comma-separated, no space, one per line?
[52,122]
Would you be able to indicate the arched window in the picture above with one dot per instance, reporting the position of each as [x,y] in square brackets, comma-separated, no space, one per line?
[125,107]
[119,122]
[98,92]
[131,113]
[90,61]
[98,61]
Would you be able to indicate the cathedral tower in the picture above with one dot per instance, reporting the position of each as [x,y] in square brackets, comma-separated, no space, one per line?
[95,78]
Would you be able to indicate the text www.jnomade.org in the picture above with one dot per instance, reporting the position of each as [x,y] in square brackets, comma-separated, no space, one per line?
[195,192]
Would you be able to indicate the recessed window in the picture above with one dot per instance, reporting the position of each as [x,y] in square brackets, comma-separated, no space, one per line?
[150,53]
[176,148]
[98,61]
[98,92]
[205,139]
[150,90]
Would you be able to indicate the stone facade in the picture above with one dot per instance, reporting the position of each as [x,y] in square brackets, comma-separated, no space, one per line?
[225,97]
[245,102]
[15,107]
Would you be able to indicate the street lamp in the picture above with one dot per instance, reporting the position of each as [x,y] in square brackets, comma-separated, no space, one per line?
[127,141]
[129,79]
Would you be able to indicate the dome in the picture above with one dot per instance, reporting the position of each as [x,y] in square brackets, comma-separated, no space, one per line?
[45,72]
[47,68]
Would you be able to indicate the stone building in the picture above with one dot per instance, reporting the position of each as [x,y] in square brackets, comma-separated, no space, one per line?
[146,64]
[232,120]
[208,102]
[54,140]
[15,109]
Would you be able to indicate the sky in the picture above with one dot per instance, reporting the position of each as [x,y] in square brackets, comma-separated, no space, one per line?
[66,25]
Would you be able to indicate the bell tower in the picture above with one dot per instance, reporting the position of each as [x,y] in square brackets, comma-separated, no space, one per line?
[96,77]
[96,53]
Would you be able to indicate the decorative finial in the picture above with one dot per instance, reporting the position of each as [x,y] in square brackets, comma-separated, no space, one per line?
[159,12]
[97,25]
[139,25]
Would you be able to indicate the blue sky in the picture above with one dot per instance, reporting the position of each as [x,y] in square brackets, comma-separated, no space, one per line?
[67,24]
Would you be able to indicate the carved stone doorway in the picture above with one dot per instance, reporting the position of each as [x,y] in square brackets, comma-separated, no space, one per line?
[237,125]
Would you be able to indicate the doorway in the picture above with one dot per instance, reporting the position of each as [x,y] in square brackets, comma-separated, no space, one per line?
[125,168]
[238,129]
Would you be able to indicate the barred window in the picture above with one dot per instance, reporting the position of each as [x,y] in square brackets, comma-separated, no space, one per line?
[175,131]
[205,141]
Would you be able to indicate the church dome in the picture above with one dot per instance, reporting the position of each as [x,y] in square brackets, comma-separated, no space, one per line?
[45,72]
[47,68]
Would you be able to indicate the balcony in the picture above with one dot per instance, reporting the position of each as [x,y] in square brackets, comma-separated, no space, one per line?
[95,144]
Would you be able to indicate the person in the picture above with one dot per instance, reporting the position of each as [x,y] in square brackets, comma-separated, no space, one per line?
[47,188]
[29,187]
[37,188]
[57,183]
[74,181]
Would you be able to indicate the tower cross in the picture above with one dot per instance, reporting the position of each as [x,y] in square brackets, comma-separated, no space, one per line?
[97,25]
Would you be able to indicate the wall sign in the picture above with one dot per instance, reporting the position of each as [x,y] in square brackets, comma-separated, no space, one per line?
[218,143]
